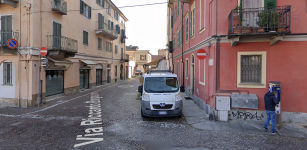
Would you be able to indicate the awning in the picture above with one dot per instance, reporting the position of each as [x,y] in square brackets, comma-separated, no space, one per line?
[58,64]
[88,64]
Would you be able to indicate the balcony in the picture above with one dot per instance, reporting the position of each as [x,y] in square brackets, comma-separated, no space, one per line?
[4,36]
[259,22]
[105,29]
[185,1]
[59,6]
[57,45]
[126,59]
[10,2]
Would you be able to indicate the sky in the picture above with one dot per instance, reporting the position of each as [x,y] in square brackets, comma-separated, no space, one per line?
[147,25]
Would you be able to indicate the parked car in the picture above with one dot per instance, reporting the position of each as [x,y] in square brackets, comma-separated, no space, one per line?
[138,72]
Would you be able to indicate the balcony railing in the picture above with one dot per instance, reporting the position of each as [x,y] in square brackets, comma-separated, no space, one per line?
[6,35]
[62,43]
[124,59]
[259,21]
[106,30]
[10,2]
[59,6]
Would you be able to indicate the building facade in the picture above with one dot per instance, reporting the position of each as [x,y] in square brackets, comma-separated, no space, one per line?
[248,44]
[86,48]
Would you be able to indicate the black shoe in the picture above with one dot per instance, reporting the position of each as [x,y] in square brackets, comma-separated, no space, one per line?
[264,128]
[275,132]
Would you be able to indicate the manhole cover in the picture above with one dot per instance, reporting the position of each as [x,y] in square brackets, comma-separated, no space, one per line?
[188,98]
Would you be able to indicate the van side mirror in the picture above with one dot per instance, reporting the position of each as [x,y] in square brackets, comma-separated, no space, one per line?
[140,89]
[182,88]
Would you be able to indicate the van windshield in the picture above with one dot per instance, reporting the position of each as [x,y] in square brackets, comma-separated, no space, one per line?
[161,85]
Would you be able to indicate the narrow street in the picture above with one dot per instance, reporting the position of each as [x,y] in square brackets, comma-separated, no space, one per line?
[75,122]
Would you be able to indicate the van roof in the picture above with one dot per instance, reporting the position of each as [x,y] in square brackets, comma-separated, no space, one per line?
[159,74]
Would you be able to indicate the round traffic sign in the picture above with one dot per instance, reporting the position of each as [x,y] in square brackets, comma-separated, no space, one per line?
[12,43]
[43,51]
[201,54]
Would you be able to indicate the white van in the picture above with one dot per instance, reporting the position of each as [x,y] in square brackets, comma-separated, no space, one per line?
[160,94]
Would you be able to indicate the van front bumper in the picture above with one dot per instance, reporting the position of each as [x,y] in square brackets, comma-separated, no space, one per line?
[147,111]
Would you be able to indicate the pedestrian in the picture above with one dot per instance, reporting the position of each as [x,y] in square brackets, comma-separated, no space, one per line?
[270,102]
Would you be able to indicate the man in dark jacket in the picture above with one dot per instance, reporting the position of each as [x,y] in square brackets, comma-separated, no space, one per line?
[270,103]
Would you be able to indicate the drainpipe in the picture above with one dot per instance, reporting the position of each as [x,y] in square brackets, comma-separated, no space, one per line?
[182,44]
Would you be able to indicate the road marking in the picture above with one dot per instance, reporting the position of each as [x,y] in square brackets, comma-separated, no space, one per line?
[94,121]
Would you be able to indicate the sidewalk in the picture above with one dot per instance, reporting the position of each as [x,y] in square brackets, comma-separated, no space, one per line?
[197,118]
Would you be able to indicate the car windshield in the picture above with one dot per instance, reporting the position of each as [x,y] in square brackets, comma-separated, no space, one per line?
[161,85]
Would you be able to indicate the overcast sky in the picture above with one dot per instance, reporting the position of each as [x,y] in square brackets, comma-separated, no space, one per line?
[147,25]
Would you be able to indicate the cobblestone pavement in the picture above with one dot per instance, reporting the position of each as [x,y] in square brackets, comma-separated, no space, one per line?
[58,125]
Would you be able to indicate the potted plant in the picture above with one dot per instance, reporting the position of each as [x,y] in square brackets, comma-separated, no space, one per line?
[263,20]
[274,20]
[237,13]
[247,29]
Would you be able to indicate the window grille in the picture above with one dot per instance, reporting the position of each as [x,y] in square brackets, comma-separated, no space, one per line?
[251,68]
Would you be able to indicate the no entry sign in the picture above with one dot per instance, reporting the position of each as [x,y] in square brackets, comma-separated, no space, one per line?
[43,51]
[201,54]
[11,43]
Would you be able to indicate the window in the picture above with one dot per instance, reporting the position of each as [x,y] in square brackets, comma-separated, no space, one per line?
[202,66]
[142,57]
[161,84]
[116,49]
[85,10]
[110,25]
[192,20]
[177,67]
[251,69]
[180,32]
[174,43]
[56,35]
[100,2]
[99,44]
[178,40]
[100,21]
[187,29]
[109,10]
[85,38]
[116,16]
[187,68]
[6,29]
[178,10]
[109,46]
[115,71]
[7,73]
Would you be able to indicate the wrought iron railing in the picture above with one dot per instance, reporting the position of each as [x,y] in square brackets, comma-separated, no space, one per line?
[100,25]
[124,58]
[59,6]
[6,35]
[61,43]
[259,20]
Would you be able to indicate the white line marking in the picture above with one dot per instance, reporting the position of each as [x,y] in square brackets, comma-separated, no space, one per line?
[201,54]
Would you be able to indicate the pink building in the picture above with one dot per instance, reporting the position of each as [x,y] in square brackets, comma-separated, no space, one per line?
[248,44]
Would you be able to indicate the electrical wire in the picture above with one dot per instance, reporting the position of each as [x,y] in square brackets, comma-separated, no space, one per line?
[102,8]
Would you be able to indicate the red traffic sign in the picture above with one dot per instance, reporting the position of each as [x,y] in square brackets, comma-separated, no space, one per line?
[12,43]
[201,54]
[43,51]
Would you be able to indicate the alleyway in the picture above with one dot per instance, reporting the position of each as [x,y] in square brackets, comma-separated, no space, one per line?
[75,122]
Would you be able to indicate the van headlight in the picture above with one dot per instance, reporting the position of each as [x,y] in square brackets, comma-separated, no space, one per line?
[178,97]
[145,97]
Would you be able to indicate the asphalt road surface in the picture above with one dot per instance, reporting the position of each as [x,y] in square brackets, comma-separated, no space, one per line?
[108,118]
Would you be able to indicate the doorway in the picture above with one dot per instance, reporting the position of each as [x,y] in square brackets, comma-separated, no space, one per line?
[109,74]
[84,79]
[121,72]
[54,82]
[192,74]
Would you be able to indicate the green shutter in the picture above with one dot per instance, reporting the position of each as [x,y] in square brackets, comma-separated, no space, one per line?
[112,24]
[98,2]
[102,3]
[99,21]
[270,3]
[59,35]
[191,24]
[54,36]
[89,12]
[109,24]
[81,7]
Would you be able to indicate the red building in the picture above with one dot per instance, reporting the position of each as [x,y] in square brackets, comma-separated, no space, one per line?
[248,43]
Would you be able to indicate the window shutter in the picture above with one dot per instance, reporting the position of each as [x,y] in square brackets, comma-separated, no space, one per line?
[4,72]
[269,4]
[112,26]
[172,22]
[10,73]
[81,7]
[109,24]
[89,12]
[190,24]
[102,3]
[98,2]
[99,21]
[194,21]
[118,29]
[181,36]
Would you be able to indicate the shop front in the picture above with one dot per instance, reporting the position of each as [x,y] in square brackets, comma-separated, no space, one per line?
[99,76]
[55,75]
[86,66]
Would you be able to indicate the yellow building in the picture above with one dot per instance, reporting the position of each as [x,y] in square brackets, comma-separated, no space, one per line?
[85,41]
